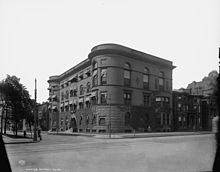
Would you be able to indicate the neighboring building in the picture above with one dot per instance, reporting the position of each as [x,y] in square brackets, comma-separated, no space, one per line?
[192,112]
[116,87]
[43,116]
[205,87]
[209,111]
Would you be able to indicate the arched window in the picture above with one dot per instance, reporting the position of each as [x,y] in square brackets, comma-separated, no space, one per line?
[81,90]
[127,74]
[161,81]
[127,118]
[146,78]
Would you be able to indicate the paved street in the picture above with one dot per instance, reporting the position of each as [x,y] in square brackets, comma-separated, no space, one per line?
[80,153]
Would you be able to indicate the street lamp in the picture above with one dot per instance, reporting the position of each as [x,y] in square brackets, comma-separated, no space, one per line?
[35,111]
[109,98]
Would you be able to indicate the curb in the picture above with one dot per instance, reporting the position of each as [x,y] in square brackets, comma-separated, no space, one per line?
[137,135]
[71,134]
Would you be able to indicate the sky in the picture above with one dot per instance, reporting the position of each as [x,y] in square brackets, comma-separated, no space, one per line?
[41,38]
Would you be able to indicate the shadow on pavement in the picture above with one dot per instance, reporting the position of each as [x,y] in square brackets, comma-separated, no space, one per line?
[17,137]
[7,143]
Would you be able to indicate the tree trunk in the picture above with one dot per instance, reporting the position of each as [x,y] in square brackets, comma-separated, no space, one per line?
[2,122]
[30,128]
[16,128]
[6,119]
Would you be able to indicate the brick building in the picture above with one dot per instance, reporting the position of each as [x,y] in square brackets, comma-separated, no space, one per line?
[115,87]
[43,116]
[192,112]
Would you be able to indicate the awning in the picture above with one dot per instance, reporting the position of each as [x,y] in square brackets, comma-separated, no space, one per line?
[54,107]
[94,72]
[66,103]
[71,102]
[74,101]
[49,106]
[73,116]
[80,100]
[87,71]
[61,105]
[72,78]
[93,94]
[74,87]
[87,98]
[54,96]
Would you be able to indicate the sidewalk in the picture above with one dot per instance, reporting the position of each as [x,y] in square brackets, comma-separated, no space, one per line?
[10,138]
[130,135]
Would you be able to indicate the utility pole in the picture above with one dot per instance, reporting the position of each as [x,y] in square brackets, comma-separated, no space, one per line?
[35,111]
[110,130]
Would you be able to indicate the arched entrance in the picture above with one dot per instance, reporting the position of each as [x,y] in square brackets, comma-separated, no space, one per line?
[73,123]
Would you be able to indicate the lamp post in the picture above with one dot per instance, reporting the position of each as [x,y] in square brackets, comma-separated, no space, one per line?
[110,132]
[35,111]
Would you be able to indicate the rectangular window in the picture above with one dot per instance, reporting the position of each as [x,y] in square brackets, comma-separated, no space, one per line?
[161,84]
[168,119]
[81,105]
[127,98]
[74,93]
[71,93]
[167,85]
[158,99]
[62,95]
[103,76]
[146,100]
[71,107]
[127,74]
[103,97]
[164,118]
[102,121]
[161,81]
[127,77]
[145,81]
[156,83]
[95,78]
[103,61]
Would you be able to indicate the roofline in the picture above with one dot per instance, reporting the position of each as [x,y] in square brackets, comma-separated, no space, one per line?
[110,48]
[74,69]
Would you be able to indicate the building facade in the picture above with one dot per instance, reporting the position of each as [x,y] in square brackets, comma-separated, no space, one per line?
[192,112]
[43,116]
[205,87]
[116,88]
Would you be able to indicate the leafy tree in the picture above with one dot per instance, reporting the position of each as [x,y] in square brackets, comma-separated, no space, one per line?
[17,99]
